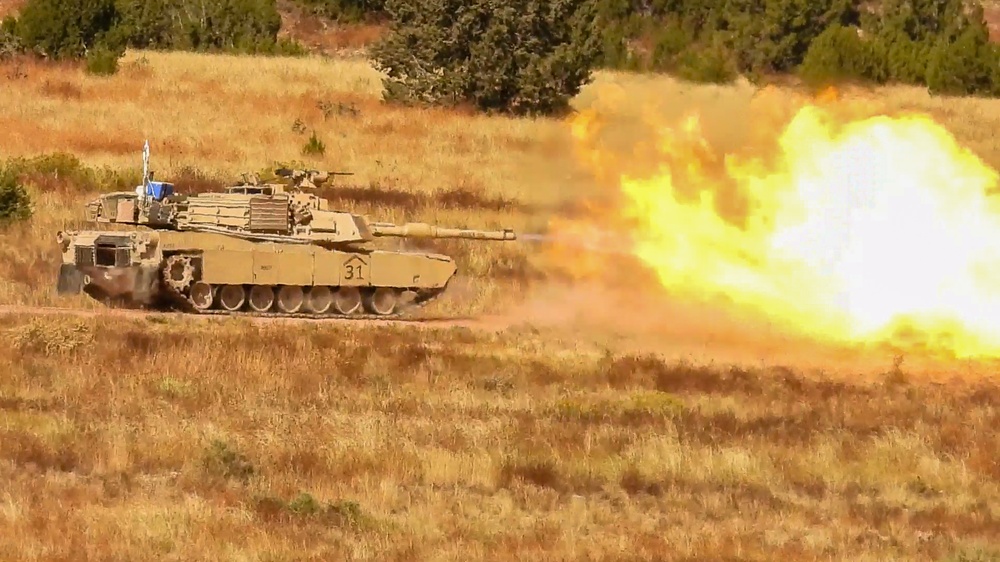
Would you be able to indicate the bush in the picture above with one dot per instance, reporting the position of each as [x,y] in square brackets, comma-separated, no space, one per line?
[669,43]
[712,40]
[102,61]
[840,54]
[711,63]
[314,146]
[966,66]
[15,202]
[70,29]
[527,59]
[284,47]
[246,26]
[774,35]
[906,59]
[10,43]
[66,29]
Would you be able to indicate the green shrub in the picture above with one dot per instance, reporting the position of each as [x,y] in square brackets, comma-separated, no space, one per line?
[284,47]
[711,63]
[102,61]
[221,461]
[669,42]
[774,35]
[906,60]
[244,26]
[10,43]
[614,46]
[966,66]
[71,28]
[8,26]
[839,54]
[15,202]
[314,146]
[527,59]
[65,29]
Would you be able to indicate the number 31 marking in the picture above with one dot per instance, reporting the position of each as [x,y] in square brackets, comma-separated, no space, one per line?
[353,271]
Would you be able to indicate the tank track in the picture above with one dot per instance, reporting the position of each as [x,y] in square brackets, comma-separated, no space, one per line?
[184,304]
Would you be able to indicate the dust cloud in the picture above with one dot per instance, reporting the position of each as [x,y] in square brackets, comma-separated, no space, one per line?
[643,320]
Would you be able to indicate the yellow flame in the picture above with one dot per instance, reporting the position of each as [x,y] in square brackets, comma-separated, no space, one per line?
[879,229]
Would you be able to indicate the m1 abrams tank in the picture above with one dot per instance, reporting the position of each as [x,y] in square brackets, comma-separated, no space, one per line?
[256,248]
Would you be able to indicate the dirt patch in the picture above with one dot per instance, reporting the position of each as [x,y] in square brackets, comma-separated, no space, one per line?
[991,13]
[11,7]
[321,35]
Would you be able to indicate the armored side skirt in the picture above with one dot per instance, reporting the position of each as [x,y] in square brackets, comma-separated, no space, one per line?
[214,272]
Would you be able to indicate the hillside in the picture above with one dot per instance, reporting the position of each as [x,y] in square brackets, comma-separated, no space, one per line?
[571,417]
[324,35]
[564,400]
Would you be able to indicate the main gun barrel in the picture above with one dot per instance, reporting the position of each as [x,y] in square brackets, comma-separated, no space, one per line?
[424,230]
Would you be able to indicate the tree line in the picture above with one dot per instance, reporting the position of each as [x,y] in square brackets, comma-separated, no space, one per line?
[531,56]
[72,29]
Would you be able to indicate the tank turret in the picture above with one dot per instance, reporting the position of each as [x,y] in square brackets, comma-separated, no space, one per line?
[258,247]
[264,212]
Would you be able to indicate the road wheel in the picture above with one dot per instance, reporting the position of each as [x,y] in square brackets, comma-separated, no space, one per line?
[319,300]
[232,297]
[290,299]
[347,300]
[261,298]
[381,301]
[202,295]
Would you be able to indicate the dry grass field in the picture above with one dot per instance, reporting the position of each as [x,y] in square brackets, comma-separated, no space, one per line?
[578,421]
[125,439]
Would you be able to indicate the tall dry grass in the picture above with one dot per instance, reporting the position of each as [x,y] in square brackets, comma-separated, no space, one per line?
[127,439]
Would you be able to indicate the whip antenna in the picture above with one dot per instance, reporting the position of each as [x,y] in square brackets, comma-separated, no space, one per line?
[145,163]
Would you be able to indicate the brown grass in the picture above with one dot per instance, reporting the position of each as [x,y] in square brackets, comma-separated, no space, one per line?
[129,437]
[561,439]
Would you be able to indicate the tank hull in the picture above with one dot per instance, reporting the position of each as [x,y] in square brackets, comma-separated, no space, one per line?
[209,273]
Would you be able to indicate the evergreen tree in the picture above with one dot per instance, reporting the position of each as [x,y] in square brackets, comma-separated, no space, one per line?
[66,28]
[522,57]
[966,63]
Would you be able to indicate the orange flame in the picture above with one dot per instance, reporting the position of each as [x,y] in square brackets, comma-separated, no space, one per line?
[871,230]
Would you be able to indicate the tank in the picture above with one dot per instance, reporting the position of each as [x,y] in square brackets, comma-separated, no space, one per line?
[257,248]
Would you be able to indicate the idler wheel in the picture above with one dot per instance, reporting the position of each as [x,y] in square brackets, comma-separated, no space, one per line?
[202,295]
[232,297]
[381,301]
[290,298]
[261,298]
[319,300]
[347,300]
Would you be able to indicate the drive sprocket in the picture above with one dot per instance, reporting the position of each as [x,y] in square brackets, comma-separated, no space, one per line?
[178,273]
